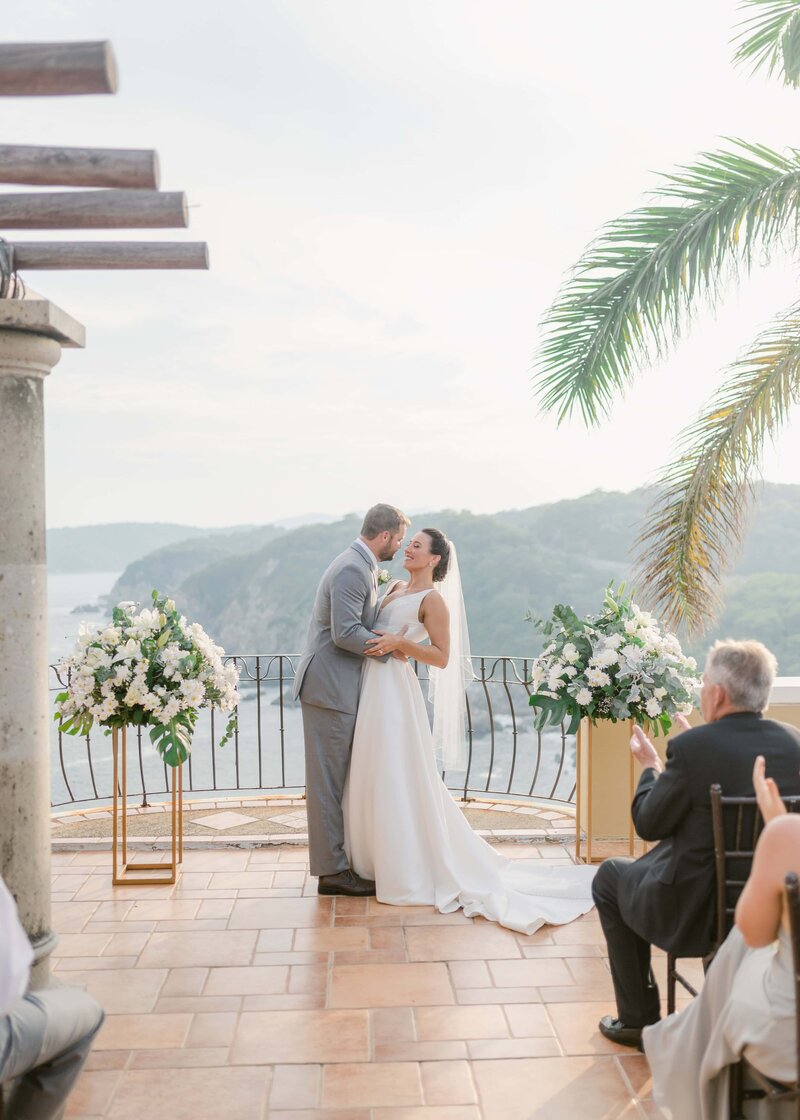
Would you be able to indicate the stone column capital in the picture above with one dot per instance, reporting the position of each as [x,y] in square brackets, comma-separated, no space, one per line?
[41,317]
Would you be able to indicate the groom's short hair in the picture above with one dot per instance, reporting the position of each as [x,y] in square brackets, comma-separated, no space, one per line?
[383,519]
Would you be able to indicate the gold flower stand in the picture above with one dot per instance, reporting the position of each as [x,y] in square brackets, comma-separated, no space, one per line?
[606,780]
[125,873]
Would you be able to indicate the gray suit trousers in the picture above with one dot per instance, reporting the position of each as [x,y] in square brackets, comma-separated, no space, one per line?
[44,1041]
[328,738]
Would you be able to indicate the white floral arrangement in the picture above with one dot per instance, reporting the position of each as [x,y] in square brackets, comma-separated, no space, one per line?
[616,665]
[384,575]
[147,668]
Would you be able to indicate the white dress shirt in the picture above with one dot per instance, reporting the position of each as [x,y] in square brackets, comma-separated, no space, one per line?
[16,954]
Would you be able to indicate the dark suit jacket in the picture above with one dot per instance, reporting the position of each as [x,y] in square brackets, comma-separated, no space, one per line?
[667,896]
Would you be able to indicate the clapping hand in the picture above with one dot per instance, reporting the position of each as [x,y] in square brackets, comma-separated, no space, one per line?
[682,722]
[643,750]
[767,793]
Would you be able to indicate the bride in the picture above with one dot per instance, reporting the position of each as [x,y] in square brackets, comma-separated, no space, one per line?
[402,827]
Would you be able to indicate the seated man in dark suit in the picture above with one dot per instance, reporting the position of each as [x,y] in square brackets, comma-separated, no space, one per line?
[667,898]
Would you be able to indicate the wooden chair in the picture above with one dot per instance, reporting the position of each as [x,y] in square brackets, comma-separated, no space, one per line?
[737,824]
[767,1089]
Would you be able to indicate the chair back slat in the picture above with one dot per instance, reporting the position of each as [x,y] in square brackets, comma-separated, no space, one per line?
[718,826]
[737,824]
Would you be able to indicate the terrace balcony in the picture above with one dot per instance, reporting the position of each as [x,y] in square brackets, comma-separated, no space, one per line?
[238,991]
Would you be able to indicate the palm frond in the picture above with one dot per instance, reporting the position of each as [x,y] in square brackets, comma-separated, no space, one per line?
[769,39]
[697,520]
[626,299]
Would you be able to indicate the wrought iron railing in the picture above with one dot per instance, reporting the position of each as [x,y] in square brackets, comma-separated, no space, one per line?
[507,757]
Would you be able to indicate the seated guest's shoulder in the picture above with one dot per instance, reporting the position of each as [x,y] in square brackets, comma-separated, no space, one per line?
[787,729]
[680,740]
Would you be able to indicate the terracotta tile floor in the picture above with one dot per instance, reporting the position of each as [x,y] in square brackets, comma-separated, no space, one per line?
[239,993]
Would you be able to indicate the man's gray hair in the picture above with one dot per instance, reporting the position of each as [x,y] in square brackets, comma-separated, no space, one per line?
[383,519]
[746,671]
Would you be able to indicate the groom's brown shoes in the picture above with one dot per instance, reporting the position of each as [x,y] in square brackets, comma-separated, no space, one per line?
[346,882]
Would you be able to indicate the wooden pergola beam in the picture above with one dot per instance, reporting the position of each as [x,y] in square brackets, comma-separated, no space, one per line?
[48,69]
[103,209]
[60,255]
[78,167]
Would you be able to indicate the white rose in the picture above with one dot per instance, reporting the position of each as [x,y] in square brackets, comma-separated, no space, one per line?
[570,653]
[653,708]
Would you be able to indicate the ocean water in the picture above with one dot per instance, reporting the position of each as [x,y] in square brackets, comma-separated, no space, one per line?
[65,592]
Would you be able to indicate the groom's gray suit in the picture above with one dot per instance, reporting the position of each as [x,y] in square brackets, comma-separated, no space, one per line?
[327,682]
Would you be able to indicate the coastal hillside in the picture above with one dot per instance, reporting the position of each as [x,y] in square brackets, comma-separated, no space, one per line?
[254,593]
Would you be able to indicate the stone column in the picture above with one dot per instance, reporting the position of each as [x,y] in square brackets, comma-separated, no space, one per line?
[32,333]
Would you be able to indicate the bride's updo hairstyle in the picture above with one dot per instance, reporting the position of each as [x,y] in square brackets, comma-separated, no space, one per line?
[440,546]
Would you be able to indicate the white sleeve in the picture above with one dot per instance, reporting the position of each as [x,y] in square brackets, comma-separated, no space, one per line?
[16,954]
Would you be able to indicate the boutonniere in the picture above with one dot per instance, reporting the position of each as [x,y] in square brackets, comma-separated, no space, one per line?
[383,576]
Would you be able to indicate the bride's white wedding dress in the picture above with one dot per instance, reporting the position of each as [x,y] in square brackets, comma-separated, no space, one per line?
[402,826]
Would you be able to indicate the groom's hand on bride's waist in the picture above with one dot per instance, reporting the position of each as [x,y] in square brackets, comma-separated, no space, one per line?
[384,643]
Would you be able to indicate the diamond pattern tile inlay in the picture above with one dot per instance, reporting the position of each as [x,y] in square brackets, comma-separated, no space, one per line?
[224,820]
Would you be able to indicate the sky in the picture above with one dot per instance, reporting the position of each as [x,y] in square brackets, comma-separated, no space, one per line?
[392,194]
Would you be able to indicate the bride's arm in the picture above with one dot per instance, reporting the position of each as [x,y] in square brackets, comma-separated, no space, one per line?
[436,619]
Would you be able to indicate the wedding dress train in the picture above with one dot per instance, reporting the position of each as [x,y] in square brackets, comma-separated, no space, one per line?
[403,828]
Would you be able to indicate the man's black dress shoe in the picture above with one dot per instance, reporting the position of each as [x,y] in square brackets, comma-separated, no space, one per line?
[616,1031]
[346,882]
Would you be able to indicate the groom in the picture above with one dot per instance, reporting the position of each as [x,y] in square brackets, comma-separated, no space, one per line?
[328,680]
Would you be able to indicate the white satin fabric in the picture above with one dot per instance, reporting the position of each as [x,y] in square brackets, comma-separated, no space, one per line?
[402,827]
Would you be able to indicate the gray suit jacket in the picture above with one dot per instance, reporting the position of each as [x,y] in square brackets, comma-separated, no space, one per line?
[329,673]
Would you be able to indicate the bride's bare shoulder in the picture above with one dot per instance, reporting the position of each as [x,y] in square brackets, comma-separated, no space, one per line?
[433,600]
